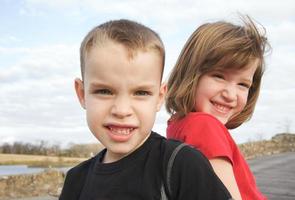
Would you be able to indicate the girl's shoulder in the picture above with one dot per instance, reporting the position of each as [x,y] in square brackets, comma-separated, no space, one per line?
[201,117]
[204,123]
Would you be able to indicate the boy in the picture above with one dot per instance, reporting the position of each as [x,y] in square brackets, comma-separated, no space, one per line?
[122,65]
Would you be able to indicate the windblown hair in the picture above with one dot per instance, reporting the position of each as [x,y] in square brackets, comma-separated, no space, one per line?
[132,35]
[216,46]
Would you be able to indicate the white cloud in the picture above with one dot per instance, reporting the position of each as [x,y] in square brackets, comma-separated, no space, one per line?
[37,91]
[8,40]
[172,9]
[41,62]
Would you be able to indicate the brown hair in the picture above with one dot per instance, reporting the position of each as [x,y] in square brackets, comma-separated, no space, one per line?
[214,46]
[132,35]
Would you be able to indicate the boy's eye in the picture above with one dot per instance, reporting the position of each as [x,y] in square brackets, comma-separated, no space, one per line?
[142,93]
[103,92]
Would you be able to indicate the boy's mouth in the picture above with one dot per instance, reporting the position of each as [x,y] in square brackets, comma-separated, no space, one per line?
[120,133]
[120,130]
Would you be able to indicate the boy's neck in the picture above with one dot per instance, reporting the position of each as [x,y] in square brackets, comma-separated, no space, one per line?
[110,157]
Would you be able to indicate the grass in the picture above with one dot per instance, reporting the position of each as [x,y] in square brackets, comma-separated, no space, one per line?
[38,160]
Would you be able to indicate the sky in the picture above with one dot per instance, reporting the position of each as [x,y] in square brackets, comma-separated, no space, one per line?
[39,59]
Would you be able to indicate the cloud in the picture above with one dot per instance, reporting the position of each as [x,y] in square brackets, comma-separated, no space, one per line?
[164,10]
[40,63]
[8,40]
[37,91]
[282,34]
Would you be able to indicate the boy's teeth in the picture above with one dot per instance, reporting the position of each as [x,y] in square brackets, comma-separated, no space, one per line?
[121,131]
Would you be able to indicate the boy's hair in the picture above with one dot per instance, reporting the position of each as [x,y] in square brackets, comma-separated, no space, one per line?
[219,45]
[132,35]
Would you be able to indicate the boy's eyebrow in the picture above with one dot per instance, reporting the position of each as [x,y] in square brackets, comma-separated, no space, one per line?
[139,86]
[146,85]
[97,84]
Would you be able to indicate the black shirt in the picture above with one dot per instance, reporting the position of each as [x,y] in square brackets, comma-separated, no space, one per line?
[140,175]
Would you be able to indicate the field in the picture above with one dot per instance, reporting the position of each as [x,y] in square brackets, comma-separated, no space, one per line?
[38,160]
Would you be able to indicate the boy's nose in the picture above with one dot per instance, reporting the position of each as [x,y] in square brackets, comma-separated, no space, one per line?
[121,107]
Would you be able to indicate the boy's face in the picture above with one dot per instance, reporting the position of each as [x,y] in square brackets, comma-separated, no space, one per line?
[224,93]
[121,96]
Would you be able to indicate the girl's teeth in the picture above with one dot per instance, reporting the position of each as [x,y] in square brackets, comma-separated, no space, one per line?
[221,108]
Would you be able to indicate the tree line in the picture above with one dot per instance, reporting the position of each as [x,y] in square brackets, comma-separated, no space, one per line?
[44,148]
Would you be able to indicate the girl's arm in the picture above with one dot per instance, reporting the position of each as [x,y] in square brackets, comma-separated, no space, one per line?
[224,170]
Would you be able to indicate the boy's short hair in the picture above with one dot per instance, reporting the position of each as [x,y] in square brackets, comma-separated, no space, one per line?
[219,45]
[130,34]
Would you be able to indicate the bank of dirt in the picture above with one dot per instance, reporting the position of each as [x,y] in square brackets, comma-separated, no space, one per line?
[49,183]
[280,143]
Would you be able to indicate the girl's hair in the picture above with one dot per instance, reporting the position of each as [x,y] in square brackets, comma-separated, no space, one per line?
[132,35]
[219,45]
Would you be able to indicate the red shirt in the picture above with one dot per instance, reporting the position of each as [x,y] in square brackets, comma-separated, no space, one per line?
[211,137]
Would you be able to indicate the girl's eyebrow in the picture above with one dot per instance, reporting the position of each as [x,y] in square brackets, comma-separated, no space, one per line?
[247,80]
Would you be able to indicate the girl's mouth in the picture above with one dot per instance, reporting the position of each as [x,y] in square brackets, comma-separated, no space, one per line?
[221,108]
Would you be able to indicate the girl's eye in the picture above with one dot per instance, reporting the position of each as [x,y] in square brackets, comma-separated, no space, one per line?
[103,92]
[142,93]
[219,76]
[245,85]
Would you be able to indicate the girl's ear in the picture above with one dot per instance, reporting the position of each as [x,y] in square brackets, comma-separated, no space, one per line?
[79,87]
[162,94]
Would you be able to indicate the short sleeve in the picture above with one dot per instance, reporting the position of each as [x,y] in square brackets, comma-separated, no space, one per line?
[205,133]
[194,179]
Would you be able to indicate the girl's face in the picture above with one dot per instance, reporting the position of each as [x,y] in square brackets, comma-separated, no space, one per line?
[224,93]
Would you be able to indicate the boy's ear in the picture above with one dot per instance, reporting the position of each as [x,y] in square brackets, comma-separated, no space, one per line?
[162,94]
[79,87]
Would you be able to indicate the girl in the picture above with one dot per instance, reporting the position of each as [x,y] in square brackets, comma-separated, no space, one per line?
[213,87]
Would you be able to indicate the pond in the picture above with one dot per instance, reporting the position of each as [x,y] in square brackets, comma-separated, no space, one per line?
[24,169]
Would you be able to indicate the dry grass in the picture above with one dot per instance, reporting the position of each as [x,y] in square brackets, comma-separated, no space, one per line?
[38,160]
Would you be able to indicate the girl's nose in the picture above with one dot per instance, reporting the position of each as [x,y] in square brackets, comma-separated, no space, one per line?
[229,93]
[121,107]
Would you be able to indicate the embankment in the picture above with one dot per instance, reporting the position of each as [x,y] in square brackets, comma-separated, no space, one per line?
[48,182]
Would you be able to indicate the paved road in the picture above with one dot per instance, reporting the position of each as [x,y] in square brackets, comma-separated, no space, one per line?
[275,175]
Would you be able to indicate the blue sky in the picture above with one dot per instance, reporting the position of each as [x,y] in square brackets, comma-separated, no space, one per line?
[39,59]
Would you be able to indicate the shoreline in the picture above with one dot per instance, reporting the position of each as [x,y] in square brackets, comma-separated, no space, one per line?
[38,160]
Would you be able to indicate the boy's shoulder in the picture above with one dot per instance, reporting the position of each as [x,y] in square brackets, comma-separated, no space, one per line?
[81,167]
[187,154]
[189,167]
[80,171]
[75,180]
[76,177]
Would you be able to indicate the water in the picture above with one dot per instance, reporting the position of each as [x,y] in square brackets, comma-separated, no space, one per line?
[23,169]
